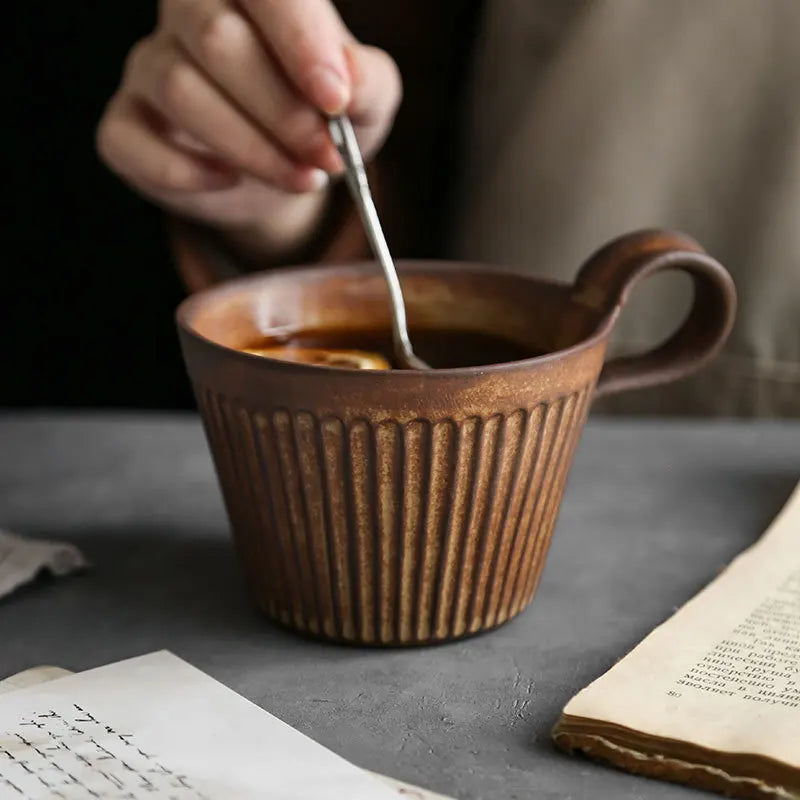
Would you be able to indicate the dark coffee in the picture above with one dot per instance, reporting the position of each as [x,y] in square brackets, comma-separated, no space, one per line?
[441,348]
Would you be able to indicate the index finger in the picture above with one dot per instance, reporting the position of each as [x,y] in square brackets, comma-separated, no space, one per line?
[307,37]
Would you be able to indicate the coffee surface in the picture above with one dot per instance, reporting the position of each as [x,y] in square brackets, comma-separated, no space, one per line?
[372,349]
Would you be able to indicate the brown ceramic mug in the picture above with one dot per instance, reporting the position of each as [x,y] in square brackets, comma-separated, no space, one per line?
[406,507]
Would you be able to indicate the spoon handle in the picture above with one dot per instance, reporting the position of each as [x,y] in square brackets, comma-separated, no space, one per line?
[344,138]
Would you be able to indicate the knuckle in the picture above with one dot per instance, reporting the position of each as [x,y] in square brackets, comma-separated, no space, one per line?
[109,132]
[178,87]
[108,139]
[103,139]
[177,175]
[110,149]
[135,56]
[220,37]
[177,11]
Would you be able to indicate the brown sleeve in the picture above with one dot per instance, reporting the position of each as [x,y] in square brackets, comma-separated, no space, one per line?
[203,258]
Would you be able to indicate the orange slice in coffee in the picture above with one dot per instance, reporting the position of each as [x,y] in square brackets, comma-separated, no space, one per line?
[345,359]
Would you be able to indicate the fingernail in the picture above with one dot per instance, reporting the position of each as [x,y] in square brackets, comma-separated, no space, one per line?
[319,179]
[330,90]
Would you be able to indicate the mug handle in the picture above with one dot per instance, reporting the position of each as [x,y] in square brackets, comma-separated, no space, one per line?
[604,284]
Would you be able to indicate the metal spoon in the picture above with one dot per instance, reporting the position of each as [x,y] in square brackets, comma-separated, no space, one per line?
[344,138]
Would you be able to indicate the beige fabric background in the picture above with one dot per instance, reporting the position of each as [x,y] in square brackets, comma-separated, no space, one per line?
[585,119]
[591,118]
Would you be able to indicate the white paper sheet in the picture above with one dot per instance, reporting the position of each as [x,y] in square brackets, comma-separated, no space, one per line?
[156,728]
[22,559]
[37,675]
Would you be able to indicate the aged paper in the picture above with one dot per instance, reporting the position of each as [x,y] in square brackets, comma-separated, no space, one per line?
[723,673]
[40,675]
[22,559]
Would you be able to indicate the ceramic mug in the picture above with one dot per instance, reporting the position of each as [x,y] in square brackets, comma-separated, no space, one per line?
[405,507]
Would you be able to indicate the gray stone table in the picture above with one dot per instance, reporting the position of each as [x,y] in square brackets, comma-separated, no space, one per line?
[653,510]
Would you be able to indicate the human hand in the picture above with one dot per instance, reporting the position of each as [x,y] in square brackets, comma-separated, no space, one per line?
[220,115]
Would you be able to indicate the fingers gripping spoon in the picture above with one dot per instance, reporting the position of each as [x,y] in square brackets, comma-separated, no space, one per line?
[344,138]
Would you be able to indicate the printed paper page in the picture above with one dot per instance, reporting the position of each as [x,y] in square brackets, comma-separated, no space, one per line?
[724,671]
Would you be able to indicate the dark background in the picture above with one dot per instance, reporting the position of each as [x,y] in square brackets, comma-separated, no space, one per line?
[89,290]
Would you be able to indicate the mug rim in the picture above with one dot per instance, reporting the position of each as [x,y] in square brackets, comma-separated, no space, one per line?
[187,306]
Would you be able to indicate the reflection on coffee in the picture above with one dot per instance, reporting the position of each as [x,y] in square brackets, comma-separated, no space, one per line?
[344,359]
[372,349]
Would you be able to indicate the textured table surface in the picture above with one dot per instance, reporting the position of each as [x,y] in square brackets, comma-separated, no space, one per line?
[652,512]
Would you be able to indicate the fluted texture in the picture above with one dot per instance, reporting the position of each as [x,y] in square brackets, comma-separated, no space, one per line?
[393,533]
